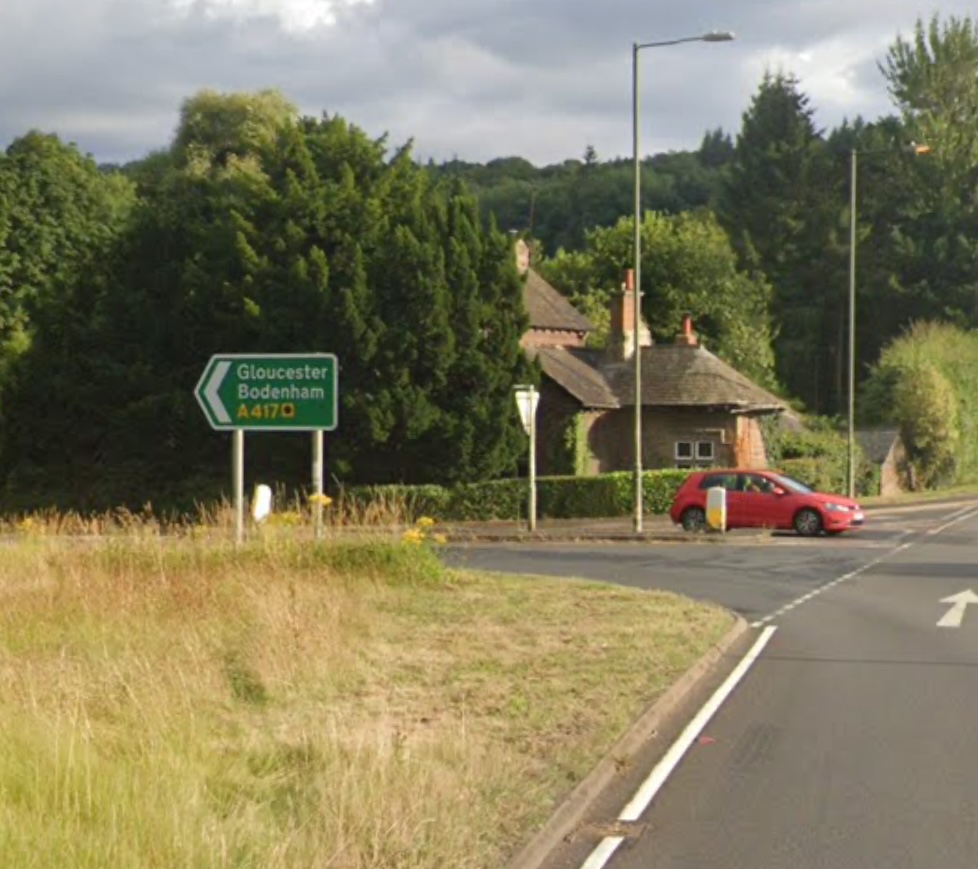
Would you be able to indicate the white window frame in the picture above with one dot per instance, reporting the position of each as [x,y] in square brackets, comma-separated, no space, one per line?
[695,456]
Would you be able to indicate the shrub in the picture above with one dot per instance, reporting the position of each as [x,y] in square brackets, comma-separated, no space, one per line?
[926,382]
[567,497]
[819,457]
[495,499]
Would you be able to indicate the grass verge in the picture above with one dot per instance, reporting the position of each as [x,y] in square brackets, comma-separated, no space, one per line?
[284,704]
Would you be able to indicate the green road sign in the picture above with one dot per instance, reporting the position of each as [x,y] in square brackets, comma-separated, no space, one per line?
[270,392]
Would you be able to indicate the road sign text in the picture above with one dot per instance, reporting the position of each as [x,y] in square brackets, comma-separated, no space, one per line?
[274,392]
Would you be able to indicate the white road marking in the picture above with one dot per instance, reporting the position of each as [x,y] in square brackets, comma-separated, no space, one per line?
[832,584]
[959,516]
[953,519]
[959,603]
[663,769]
[605,849]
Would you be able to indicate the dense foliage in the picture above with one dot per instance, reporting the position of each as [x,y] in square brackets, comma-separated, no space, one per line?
[257,230]
[559,204]
[688,267]
[927,382]
[266,232]
[781,191]
[557,497]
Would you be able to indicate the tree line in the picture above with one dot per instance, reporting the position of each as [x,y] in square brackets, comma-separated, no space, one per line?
[260,230]
[779,190]
[257,231]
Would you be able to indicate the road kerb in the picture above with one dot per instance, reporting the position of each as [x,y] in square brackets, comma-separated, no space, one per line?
[572,810]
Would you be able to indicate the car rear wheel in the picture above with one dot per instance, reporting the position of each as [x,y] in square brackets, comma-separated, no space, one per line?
[694,519]
[808,523]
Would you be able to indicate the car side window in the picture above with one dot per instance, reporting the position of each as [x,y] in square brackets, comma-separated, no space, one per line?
[756,483]
[725,481]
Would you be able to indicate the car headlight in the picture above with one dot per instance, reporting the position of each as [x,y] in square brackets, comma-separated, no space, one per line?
[837,508]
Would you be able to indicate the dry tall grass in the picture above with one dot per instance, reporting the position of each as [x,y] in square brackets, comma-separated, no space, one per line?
[185,703]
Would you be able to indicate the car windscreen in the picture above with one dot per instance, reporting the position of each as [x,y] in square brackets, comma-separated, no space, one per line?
[791,484]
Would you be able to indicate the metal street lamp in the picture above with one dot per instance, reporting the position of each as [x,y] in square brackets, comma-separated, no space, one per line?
[712,36]
[914,149]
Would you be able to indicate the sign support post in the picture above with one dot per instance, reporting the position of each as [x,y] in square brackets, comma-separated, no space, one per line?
[241,392]
[527,399]
[237,476]
[533,462]
[317,483]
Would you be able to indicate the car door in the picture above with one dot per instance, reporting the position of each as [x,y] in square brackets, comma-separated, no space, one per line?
[736,506]
[761,506]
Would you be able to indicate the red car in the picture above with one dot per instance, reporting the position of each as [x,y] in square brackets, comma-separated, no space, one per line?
[764,499]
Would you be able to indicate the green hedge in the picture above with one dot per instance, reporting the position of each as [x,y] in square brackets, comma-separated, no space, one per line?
[926,384]
[826,475]
[819,457]
[557,497]
[570,497]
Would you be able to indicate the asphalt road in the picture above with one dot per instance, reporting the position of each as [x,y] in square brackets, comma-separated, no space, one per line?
[850,743]
[752,576]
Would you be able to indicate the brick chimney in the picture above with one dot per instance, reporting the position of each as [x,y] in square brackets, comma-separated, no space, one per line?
[621,337]
[687,336]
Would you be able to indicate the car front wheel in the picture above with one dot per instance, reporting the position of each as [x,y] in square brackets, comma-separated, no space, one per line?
[808,523]
[694,519]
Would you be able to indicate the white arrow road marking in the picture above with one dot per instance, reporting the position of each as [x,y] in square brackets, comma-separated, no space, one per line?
[955,615]
[210,391]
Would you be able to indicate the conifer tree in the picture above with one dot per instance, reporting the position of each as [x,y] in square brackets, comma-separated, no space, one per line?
[265,232]
[779,207]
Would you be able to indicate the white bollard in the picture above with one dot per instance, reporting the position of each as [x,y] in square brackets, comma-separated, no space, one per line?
[261,503]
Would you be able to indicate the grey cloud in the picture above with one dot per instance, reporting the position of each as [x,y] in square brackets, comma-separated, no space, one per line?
[462,78]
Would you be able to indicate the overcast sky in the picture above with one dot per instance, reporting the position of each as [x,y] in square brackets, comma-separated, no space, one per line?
[473,79]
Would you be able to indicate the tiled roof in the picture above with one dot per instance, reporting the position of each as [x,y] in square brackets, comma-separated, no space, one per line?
[574,371]
[548,309]
[673,375]
[677,375]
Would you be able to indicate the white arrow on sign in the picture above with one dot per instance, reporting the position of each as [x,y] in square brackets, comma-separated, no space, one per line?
[959,602]
[210,391]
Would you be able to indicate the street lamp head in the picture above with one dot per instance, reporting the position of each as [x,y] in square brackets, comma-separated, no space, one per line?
[718,36]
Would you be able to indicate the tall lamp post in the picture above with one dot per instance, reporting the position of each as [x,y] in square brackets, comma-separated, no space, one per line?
[712,36]
[914,149]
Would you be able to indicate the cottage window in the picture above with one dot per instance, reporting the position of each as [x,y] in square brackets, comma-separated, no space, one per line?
[694,454]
